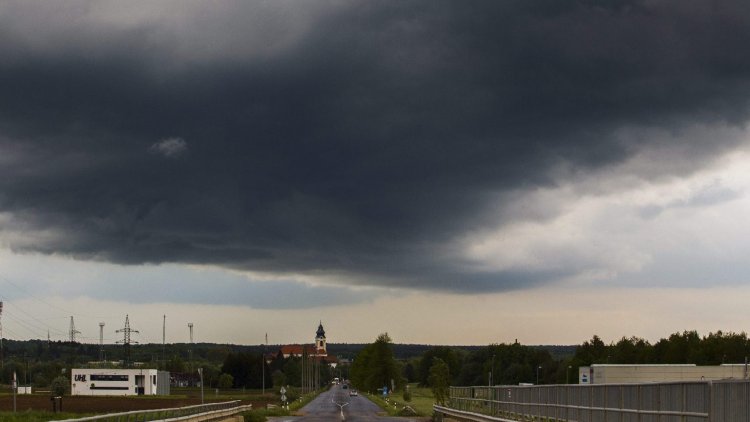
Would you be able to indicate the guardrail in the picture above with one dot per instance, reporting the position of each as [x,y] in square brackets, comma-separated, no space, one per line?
[160,414]
[717,401]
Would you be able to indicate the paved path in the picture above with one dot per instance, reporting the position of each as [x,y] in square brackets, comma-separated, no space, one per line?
[336,405]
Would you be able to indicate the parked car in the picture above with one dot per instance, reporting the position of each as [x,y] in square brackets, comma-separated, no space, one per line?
[353,393]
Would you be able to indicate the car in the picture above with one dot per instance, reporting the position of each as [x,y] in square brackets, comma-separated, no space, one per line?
[353,393]
[345,387]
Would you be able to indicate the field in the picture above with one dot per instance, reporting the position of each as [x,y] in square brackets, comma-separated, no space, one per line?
[35,407]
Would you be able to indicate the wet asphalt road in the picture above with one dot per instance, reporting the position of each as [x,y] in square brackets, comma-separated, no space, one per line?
[336,405]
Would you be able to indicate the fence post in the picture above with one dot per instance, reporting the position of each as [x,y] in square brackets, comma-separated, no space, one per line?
[684,392]
[622,404]
[710,401]
[604,405]
[640,402]
[658,403]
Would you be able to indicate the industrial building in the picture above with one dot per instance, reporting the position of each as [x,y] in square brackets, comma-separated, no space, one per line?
[630,374]
[118,382]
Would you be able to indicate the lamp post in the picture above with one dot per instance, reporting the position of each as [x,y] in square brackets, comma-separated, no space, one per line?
[492,369]
[537,373]
[567,375]
[200,373]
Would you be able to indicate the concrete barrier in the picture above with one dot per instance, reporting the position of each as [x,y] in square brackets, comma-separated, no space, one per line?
[224,415]
[461,415]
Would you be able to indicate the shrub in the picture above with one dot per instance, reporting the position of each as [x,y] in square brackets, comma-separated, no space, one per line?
[59,386]
[407,394]
[225,381]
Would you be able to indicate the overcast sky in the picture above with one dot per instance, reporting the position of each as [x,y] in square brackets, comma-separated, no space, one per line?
[446,171]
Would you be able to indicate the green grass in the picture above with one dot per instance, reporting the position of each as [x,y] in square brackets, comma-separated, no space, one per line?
[38,416]
[210,394]
[261,415]
[421,401]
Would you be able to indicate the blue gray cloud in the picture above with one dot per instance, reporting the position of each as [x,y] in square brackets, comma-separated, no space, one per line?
[353,140]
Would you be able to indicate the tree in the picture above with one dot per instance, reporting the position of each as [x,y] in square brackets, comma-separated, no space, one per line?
[59,386]
[375,366]
[439,380]
[448,355]
[176,364]
[279,379]
[407,394]
[225,381]
[246,369]
[410,373]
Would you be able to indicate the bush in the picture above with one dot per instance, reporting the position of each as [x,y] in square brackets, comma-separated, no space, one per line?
[261,415]
[292,394]
[225,381]
[407,411]
[40,381]
[59,386]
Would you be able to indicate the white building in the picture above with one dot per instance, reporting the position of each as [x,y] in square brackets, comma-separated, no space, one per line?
[118,382]
[629,374]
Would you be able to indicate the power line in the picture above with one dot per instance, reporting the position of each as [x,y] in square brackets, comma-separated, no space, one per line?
[66,311]
[73,331]
[44,324]
[126,331]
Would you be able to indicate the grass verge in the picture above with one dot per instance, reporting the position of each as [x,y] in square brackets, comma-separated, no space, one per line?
[38,416]
[421,402]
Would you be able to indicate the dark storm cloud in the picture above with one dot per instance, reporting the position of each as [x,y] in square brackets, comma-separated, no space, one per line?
[354,141]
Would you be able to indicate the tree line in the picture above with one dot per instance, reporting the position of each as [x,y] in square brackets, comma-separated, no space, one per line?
[512,364]
[374,365]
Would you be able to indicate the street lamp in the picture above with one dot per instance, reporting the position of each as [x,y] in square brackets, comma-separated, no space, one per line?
[537,373]
[492,369]
[200,372]
[567,375]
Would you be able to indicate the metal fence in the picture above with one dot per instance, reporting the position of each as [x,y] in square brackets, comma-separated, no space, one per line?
[159,414]
[717,401]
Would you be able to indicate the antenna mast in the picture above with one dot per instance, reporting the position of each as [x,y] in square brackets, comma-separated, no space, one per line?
[101,342]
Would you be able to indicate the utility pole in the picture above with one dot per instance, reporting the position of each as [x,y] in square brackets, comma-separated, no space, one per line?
[263,364]
[73,331]
[164,341]
[2,357]
[101,342]
[190,349]
[126,331]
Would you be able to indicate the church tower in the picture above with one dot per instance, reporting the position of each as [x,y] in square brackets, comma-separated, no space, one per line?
[320,341]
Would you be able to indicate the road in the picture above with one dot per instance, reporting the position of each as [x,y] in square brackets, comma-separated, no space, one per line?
[336,405]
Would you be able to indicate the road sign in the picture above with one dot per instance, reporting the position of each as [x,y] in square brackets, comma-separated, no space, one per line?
[283,397]
[282,391]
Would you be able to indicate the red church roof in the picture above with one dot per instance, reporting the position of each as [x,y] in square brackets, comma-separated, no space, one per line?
[297,350]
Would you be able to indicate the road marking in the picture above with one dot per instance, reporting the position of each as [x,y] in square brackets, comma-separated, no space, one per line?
[340,405]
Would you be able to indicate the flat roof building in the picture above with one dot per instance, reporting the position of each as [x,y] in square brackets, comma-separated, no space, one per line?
[118,382]
[631,374]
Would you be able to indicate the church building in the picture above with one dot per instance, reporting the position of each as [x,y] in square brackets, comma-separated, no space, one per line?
[317,350]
